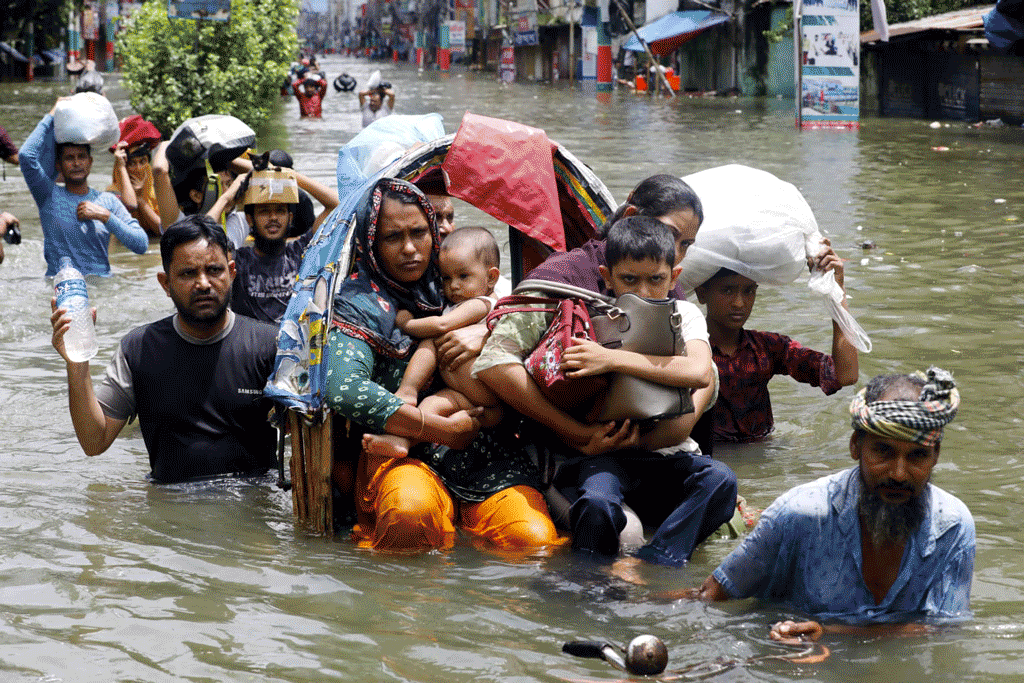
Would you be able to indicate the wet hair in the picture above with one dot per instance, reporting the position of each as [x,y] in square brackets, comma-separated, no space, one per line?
[196,179]
[485,247]
[400,197]
[880,385]
[60,147]
[141,151]
[279,157]
[719,274]
[639,238]
[190,229]
[657,196]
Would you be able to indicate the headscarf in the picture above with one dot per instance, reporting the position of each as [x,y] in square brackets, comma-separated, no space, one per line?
[920,421]
[367,302]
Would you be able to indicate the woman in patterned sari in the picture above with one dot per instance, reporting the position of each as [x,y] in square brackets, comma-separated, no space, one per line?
[483,483]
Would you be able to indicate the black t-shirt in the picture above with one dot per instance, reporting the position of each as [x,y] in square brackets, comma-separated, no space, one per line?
[200,405]
[263,284]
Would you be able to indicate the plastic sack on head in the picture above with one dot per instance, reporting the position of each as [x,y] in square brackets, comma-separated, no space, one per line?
[217,137]
[761,227]
[86,119]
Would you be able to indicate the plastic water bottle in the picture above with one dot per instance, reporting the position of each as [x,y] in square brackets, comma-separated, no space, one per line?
[72,296]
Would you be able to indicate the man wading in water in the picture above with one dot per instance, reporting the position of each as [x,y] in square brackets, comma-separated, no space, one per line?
[873,544]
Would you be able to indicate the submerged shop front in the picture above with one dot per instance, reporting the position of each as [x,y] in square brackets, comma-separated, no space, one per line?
[942,67]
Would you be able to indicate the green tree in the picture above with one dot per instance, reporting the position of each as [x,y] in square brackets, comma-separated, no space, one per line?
[177,69]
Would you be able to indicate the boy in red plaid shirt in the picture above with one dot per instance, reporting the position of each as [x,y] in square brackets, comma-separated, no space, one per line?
[748,359]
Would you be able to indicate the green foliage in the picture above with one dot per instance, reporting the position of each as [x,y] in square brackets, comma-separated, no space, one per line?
[178,69]
[783,30]
[49,18]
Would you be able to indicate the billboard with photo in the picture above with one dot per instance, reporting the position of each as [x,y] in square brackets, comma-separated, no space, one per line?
[829,64]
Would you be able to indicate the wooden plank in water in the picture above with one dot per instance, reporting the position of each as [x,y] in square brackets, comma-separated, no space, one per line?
[298,470]
[320,470]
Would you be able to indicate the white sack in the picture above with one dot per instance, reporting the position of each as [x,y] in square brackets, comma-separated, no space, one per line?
[761,227]
[86,118]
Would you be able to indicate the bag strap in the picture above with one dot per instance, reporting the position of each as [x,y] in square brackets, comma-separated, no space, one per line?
[599,302]
[517,303]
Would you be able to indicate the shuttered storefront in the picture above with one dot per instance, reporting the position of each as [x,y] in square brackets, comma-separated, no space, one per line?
[1002,87]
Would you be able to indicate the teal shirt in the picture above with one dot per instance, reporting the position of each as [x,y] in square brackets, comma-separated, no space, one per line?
[361,386]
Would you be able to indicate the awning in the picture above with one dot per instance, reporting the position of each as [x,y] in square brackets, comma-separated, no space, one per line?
[672,30]
[970,19]
[4,47]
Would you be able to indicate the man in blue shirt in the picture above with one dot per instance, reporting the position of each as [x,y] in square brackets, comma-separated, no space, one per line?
[77,221]
[877,543]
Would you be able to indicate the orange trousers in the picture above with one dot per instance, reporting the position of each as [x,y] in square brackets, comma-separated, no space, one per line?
[403,505]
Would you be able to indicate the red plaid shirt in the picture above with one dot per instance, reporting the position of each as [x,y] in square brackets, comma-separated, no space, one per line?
[744,409]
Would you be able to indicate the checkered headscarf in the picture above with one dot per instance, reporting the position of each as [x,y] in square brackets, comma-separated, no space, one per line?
[920,421]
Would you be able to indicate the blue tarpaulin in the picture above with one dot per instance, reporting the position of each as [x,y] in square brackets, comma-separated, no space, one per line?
[13,53]
[672,30]
[1004,27]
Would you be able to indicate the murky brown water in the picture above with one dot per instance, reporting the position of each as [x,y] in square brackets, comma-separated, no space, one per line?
[104,577]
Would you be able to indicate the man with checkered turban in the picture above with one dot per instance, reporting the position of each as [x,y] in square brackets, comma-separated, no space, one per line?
[876,546]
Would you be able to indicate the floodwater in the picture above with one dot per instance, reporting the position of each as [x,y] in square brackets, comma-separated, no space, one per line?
[104,577]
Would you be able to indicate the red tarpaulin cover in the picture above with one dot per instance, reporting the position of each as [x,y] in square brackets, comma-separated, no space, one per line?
[135,129]
[505,169]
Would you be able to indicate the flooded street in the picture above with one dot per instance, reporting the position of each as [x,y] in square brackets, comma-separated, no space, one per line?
[105,577]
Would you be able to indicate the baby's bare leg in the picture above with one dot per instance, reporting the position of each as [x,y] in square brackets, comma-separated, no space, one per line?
[387,445]
[448,401]
[473,389]
[418,372]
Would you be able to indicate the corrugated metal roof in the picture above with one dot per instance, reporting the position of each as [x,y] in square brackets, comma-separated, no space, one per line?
[969,19]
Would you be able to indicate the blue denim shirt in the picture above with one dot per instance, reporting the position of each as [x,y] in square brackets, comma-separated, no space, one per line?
[806,553]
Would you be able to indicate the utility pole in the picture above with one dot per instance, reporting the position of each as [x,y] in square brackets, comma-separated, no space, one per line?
[31,40]
[572,42]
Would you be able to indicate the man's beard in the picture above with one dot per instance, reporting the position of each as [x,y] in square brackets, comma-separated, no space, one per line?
[887,521]
[206,320]
[269,247]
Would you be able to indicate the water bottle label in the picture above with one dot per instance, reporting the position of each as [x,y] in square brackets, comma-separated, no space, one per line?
[70,289]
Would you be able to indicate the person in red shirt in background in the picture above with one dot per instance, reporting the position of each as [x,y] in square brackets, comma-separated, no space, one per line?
[309,89]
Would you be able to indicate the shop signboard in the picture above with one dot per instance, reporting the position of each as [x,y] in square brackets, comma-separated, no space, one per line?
[829,61]
[457,36]
[218,10]
[526,29]
[508,64]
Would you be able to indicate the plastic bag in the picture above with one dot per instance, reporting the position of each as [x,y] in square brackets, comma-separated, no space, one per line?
[761,227]
[86,119]
[754,224]
[217,137]
[832,294]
